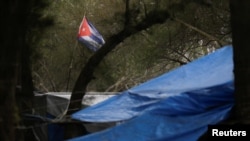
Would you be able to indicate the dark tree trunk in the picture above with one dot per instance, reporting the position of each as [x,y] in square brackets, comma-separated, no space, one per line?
[12,30]
[25,90]
[15,73]
[86,74]
[240,22]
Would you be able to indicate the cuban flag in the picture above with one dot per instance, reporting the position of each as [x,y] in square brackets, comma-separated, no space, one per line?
[89,35]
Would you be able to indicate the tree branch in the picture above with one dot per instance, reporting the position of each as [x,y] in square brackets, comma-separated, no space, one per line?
[201,32]
[86,74]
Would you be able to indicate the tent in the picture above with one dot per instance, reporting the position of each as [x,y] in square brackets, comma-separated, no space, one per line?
[47,123]
[178,105]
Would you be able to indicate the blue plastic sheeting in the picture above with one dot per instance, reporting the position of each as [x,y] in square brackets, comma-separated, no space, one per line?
[175,106]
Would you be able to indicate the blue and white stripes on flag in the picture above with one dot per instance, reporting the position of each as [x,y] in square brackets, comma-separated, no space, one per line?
[89,35]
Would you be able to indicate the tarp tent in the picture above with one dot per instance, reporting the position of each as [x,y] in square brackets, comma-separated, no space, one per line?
[49,109]
[57,102]
[178,105]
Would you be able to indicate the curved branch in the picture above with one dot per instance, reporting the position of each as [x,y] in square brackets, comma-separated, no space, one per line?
[86,74]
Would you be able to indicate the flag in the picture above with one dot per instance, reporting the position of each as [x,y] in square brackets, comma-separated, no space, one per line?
[89,36]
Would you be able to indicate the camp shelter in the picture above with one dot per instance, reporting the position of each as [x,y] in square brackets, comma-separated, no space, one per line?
[176,106]
[46,123]
[57,102]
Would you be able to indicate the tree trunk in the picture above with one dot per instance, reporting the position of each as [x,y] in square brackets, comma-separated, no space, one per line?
[9,66]
[15,78]
[240,22]
[86,74]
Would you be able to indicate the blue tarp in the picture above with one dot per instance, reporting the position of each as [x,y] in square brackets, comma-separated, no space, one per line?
[178,105]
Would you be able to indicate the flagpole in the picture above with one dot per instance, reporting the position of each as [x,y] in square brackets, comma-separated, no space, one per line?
[71,66]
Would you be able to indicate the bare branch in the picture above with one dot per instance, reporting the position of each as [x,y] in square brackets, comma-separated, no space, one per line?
[201,32]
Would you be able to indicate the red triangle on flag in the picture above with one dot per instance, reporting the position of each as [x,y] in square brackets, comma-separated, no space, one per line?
[84,29]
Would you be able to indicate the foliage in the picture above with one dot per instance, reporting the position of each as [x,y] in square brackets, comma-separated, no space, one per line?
[138,58]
